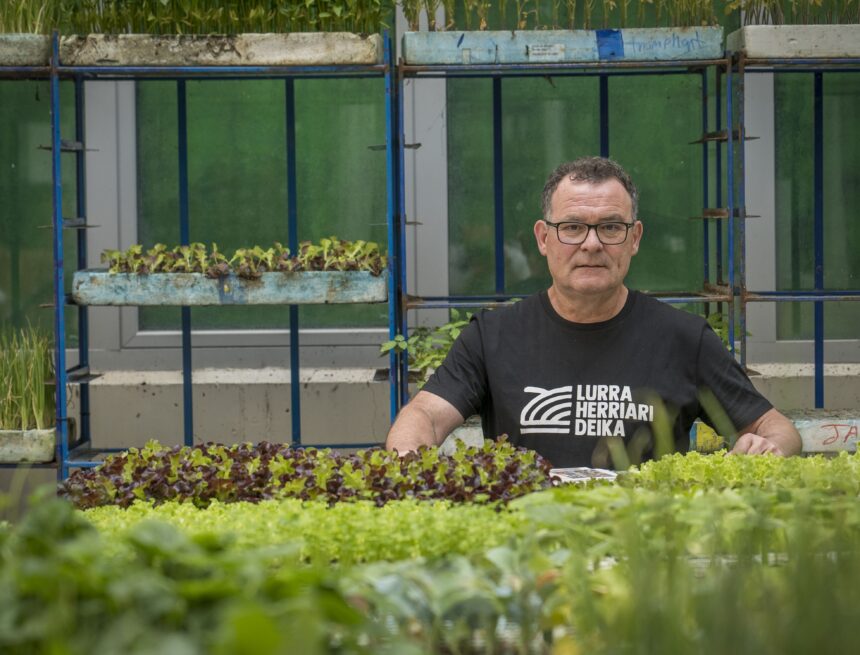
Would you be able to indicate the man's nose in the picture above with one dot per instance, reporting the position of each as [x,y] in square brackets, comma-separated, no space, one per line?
[591,241]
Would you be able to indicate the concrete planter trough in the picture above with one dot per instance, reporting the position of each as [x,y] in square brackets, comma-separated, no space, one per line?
[795,41]
[293,49]
[562,46]
[25,50]
[98,287]
[27,446]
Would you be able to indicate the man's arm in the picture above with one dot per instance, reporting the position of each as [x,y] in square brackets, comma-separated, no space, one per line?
[425,421]
[770,433]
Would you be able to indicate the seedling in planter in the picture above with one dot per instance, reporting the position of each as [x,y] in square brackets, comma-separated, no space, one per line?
[26,366]
[332,254]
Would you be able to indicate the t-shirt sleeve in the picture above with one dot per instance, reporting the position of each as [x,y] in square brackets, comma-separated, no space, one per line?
[462,377]
[720,372]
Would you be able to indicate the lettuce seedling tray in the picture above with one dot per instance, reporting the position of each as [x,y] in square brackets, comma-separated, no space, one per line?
[99,287]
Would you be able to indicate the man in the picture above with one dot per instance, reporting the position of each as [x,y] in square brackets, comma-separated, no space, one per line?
[576,370]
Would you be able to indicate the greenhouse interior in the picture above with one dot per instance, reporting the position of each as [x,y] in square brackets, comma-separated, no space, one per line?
[566,361]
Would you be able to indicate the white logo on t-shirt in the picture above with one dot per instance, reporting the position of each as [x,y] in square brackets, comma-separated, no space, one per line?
[549,411]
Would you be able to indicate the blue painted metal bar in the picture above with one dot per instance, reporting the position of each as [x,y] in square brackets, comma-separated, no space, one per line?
[498,187]
[730,202]
[706,227]
[81,202]
[740,202]
[401,235]
[184,239]
[215,78]
[822,64]
[803,296]
[189,72]
[542,69]
[718,111]
[818,231]
[293,244]
[25,72]
[392,184]
[59,289]
[604,116]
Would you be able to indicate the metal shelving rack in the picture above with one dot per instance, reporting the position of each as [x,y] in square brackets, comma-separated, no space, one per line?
[742,65]
[34,73]
[719,291]
[81,453]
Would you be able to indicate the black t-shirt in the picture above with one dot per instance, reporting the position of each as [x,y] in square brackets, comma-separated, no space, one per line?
[569,390]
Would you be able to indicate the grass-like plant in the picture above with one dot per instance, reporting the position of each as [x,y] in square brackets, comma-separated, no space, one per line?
[26,366]
[194,16]
[797,12]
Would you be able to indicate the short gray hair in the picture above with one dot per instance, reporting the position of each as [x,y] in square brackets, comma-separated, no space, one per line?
[588,169]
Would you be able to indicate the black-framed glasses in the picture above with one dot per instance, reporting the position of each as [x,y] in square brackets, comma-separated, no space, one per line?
[574,233]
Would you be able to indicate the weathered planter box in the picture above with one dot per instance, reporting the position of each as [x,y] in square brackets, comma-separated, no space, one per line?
[27,446]
[98,287]
[25,50]
[293,49]
[561,46]
[827,431]
[795,41]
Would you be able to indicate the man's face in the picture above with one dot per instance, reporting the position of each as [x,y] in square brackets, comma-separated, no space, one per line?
[590,268]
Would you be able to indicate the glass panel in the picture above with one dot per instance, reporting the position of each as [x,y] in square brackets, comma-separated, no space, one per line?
[238,178]
[547,121]
[794,98]
[26,259]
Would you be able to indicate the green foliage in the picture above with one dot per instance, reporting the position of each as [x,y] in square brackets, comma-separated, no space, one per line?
[495,472]
[331,254]
[837,475]
[796,12]
[427,347]
[345,533]
[26,368]
[194,16]
[661,563]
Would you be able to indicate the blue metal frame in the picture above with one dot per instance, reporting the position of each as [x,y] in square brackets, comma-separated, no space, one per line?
[818,295]
[65,459]
[603,71]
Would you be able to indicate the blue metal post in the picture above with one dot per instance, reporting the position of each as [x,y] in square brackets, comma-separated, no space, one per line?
[740,201]
[293,242]
[604,115]
[81,198]
[718,110]
[401,236]
[184,239]
[59,288]
[818,237]
[730,203]
[706,273]
[392,185]
[498,186]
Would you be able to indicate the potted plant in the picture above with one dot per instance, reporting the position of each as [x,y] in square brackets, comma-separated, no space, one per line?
[805,29]
[330,271]
[24,27]
[572,32]
[27,412]
[199,32]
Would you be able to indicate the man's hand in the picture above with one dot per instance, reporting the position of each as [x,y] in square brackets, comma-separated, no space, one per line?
[753,444]
[771,433]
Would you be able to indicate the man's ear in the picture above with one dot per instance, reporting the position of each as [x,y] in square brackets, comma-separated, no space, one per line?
[541,231]
[637,230]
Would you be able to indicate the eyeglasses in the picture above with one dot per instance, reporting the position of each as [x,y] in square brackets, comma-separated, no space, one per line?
[574,233]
